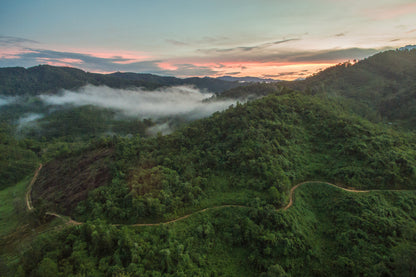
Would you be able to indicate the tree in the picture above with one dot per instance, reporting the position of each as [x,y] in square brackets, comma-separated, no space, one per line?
[276,271]
[47,268]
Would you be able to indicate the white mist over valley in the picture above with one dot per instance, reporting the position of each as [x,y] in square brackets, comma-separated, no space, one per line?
[181,101]
[4,100]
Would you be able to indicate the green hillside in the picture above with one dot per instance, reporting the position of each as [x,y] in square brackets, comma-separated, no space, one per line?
[249,155]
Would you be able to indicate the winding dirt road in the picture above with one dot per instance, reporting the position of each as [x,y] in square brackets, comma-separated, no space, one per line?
[186,216]
[29,189]
[70,221]
[292,190]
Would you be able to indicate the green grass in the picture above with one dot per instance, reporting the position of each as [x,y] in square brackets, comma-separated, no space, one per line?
[12,207]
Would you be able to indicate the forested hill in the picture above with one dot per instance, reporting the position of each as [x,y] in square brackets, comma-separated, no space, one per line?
[382,86]
[50,79]
[385,82]
[254,150]
[249,155]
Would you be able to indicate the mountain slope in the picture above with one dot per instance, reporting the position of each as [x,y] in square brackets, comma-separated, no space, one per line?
[384,82]
[381,87]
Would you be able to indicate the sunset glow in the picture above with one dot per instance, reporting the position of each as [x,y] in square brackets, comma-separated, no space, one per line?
[267,39]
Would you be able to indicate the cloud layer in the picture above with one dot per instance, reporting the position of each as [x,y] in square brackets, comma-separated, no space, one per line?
[271,57]
[181,101]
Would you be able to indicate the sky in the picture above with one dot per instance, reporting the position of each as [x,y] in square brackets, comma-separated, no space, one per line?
[183,38]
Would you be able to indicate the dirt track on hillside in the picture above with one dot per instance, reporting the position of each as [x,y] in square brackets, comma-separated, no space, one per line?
[292,190]
[29,189]
[70,221]
[186,216]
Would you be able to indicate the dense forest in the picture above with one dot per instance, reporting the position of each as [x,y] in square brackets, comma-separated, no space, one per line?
[226,178]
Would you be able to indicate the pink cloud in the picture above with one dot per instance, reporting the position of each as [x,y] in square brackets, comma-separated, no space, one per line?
[54,63]
[13,53]
[167,66]
[276,70]
[59,62]
[69,61]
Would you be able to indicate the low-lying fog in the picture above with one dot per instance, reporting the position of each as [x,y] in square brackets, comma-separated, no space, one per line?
[181,101]
[5,100]
[167,107]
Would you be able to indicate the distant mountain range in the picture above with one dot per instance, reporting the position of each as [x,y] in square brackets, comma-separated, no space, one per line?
[407,47]
[50,79]
[247,79]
